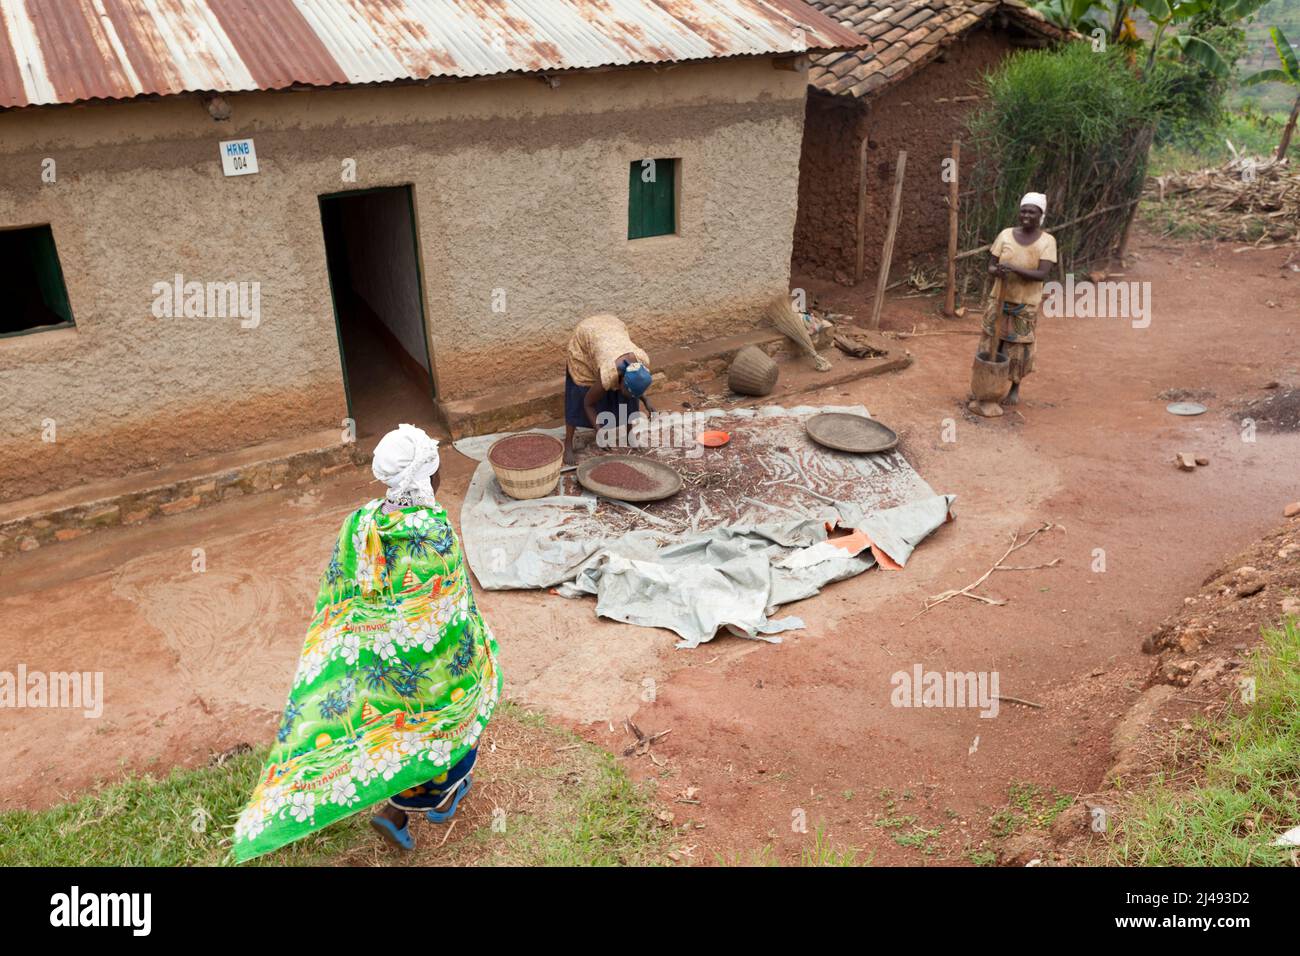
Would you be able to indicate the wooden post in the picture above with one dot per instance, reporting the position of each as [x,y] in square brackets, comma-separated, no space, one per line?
[1128,227]
[887,254]
[1288,130]
[862,209]
[950,294]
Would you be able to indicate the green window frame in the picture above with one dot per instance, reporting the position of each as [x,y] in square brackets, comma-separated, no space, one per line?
[652,198]
[30,271]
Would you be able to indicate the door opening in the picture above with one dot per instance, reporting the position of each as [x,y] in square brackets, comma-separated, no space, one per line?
[374,271]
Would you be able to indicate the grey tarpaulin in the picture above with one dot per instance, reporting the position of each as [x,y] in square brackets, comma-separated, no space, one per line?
[746,535]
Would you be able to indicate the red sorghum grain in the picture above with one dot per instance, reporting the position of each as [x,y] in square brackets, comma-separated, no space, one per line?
[526,451]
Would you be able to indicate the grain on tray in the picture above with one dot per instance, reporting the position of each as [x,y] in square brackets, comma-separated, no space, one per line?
[616,474]
[525,451]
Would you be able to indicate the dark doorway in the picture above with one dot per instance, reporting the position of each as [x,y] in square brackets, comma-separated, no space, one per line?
[374,270]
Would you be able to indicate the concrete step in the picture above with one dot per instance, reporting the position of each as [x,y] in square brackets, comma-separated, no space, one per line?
[30,523]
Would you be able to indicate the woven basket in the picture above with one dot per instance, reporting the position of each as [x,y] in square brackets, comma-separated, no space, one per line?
[525,483]
[752,372]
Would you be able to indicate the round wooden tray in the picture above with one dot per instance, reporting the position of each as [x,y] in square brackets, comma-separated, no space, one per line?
[667,481]
[853,433]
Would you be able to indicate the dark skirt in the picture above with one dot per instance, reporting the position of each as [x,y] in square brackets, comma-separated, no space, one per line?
[575,397]
[428,795]
[1018,341]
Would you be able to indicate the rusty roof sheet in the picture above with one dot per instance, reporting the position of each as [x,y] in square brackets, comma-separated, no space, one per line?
[904,35]
[63,51]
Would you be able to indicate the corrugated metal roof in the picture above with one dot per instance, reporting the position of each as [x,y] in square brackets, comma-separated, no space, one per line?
[62,51]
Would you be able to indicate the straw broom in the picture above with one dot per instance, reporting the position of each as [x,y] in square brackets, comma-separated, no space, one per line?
[789,322]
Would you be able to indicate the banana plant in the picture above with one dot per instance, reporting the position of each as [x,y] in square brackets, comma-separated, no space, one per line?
[1290,74]
[1168,13]
[1115,17]
[1072,14]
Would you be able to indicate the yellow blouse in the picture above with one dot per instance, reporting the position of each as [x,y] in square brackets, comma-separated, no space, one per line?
[594,349]
[1008,250]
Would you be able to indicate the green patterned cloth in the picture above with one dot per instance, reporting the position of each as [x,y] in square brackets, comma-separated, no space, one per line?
[397,679]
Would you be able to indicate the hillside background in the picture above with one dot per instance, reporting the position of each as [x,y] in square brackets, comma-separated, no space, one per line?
[1272,98]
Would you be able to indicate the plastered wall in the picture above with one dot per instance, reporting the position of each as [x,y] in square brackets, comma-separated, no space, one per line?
[520,192]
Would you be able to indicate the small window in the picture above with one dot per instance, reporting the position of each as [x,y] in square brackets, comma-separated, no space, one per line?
[652,198]
[36,298]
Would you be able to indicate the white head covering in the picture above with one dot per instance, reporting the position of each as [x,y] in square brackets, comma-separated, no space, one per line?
[1035,199]
[405,459]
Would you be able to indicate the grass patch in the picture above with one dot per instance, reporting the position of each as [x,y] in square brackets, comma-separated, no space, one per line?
[825,853]
[544,798]
[919,838]
[1030,807]
[822,852]
[905,829]
[764,856]
[1248,790]
[600,819]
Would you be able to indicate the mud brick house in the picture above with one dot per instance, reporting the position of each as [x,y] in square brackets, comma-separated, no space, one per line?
[223,223]
[911,89]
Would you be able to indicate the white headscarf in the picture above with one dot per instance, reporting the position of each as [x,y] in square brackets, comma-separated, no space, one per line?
[1035,199]
[405,459]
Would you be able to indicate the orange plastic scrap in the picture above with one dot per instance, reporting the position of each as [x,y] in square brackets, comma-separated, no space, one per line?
[885,561]
[852,543]
[857,541]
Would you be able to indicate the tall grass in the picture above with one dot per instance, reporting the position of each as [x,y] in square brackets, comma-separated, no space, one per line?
[1070,123]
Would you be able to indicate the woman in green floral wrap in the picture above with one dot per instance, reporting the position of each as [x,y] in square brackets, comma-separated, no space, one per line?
[397,677]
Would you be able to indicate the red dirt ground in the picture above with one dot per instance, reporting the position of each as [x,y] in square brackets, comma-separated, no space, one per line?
[808,726]
[763,734]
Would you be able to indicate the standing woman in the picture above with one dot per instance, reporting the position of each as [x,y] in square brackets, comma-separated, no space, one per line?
[397,678]
[1022,259]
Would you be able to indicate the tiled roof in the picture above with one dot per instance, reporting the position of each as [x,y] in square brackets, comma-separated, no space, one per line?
[905,35]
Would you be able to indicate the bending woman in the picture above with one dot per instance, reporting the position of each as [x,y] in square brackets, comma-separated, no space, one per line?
[397,678]
[1022,258]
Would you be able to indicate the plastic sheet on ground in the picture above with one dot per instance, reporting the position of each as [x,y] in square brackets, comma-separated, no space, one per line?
[747,533]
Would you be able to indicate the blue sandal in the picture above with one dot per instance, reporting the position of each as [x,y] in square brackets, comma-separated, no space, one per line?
[442,816]
[398,838]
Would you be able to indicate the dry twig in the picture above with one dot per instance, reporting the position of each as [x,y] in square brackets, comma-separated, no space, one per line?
[1245,198]
[643,741]
[1017,700]
[968,590]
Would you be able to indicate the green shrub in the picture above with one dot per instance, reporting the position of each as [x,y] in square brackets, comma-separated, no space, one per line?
[1071,123]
